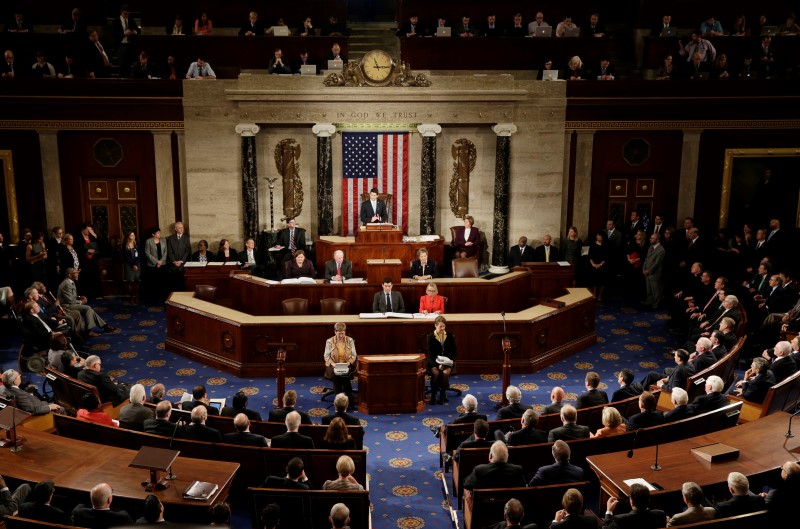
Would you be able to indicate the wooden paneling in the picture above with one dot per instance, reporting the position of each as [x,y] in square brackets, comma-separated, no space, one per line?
[358,252]
[24,147]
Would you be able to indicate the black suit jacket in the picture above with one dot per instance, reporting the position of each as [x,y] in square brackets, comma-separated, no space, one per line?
[678,378]
[593,397]
[676,414]
[229,411]
[517,256]
[244,439]
[495,475]
[645,420]
[105,386]
[178,249]
[161,427]
[430,268]
[189,405]
[553,407]
[299,239]
[276,482]
[783,367]
[257,28]
[117,27]
[279,415]
[292,440]
[366,213]
[43,513]
[466,418]
[88,517]
[557,473]
[201,432]
[514,410]
[567,432]
[755,389]
[739,505]
[330,269]
[539,256]
[526,436]
[581,521]
[35,333]
[631,390]
[346,417]
[646,519]
[708,402]
[379,302]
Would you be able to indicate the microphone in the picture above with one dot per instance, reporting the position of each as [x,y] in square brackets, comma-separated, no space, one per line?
[15,445]
[633,444]
[789,432]
[503,315]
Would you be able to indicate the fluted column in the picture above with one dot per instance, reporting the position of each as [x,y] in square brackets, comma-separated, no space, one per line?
[248,133]
[581,204]
[323,132]
[687,186]
[501,199]
[427,188]
[51,176]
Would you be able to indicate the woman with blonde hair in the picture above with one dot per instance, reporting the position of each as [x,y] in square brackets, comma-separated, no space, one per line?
[612,424]
[340,349]
[431,302]
[345,467]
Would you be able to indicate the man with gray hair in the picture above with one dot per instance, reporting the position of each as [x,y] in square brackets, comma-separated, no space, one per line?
[562,471]
[742,501]
[569,429]
[133,415]
[470,414]
[695,512]
[340,404]
[242,435]
[782,364]
[24,400]
[108,389]
[340,516]
[514,410]
[292,438]
[498,473]
[161,425]
[198,431]
[100,513]
[527,434]
[68,297]
[679,399]
[713,398]
[337,269]
[179,251]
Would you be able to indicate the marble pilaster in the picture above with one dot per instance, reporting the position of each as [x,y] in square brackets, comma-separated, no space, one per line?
[165,186]
[427,191]
[501,197]
[687,186]
[584,150]
[323,132]
[250,222]
[51,177]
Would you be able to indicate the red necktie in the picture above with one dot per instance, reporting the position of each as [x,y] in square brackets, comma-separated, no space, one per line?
[338,269]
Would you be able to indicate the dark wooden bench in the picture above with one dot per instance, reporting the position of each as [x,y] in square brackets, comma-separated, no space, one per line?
[753,520]
[724,368]
[531,457]
[15,522]
[484,507]
[256,463]
[310,508]
[69,391]
[783,396]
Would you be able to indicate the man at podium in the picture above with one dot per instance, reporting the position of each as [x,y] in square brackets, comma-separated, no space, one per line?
[374,209]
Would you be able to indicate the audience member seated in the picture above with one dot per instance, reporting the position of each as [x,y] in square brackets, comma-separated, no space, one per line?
[338,269]
[480,430]
[38,333]
[135,413]
[340,516]
[596,28]
[780,501]
[337,437]
[307,29]
[340,349]
[252,28]
[200,69]
[470,414]
[497,473]
[295,477]
[24,400]
[680,410]
[640,517]
[278,65]
[75,24]
[340,404]
[648,415]
[226,254]
[613,424]
[605,71]
[303,60]
[345,467]
[695,511]
[292,438]
[161,424]
[423,268]
[334,27]
[198,431]
[300,267]
[513,512]
[431,302]
[41,68]
[491,28]
[202,255]
[521,252]
[570,516]
[668,70]
[712,400]
[18,24]
[565,28]
[239,405]
[413,28]
[58,346]
[739,27]
[72,364]
[176,27]
[556,401]
[517,28]
[790,27]
[152,511]
[37,507]
[569,430]
[561,471]
[465,29]
[68,297]
[672,377]
[10,503]
[336,54]
[575,70]
[289,400]
[593,396]
[242,435]
[711,28]
[203,25]
[157,392]
[514,408]
[628,388]
[538,22]
[143,68]
[199,398]
[220,514]
[546,252]
[527,434]
[115,392]
[721,68]
[782,363]
[756,383]
[467,241]
[100,513]
[9,68]
[742,500]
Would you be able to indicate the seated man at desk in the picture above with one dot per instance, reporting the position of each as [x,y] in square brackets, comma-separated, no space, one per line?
[337,269]
[374,209]
[251,258]
[423,268]
[290,239]
[388,300]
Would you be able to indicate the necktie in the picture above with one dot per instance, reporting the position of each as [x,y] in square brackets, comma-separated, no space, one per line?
[546,254]
[43,323]
[759,244]
[388,302]
[291,241]
[770,235]
[338,269]
[610,232]
[250,258]
[103,53]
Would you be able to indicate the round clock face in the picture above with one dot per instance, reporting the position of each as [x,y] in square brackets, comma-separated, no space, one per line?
[377,66]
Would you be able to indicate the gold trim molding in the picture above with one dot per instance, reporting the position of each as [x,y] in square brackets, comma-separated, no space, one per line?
[89,125]
[683,125]
[10,186]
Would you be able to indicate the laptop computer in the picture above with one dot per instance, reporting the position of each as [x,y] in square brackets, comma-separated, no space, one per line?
[308,69]
[701,76]
[543,31]
[572,31]
[443,32]
[769,30]
[335,65]
[549,75]
[280,31]
[669,32]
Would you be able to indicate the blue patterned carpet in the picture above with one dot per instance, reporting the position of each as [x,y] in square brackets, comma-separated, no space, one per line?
[403,460]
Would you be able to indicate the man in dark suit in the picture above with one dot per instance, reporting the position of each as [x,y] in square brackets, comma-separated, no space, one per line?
[648,415]
[527,434]
[253,259]
[337,269]
[239,405]
[546,253]
[480,430]
[570,516]
[413,29]
[161,425]
[742,500]
[556,401]
[340,404]
[292,439]
[125,31]
[242,435]
[199,398]
[782,363]
[470,414]
[374,209]
[54,253]
[37,328]
[513,512]
[712,400]
[9,503]
[679,399]
[252,28]
[100,515]
[95,58]
[628,388]
[108,389]
[672,377]
[38,505]
[781,501]
[387,300]
[498,473]
[290,239]
[179,251]
[135,413]
[592,396]
[24,400]
[640,517]
[559,472]
[569,430]
[521,253]
[718,347]
[757,381]
[198,431]
[423,267]
[289,400]
[514,410]
[295,477]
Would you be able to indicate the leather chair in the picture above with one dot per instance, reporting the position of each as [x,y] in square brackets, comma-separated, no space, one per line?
[295,307]
[465,267]
[386,197]
[331,306]
[460,229]
[206,293]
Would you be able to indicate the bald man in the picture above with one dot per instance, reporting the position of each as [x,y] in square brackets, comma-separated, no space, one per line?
[100,514]
[556,401]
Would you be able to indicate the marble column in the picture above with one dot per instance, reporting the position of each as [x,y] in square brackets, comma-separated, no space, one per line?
[248,133]
[324,132]
[165,181]
[181,161]
[584,151]
[501,198]
[687,186]
[427,188]
[51,177]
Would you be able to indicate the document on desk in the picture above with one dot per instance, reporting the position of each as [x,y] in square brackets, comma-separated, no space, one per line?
[298,280]
[194,264]
[640,481]
[401,315]
[372,316]
[429,316]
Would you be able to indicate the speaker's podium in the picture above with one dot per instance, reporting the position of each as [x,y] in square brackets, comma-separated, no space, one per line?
[391,383]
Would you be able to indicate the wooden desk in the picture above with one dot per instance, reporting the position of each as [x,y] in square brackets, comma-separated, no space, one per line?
[215,275]
[763,449]
[391,383]
[77,466]
[359,249]
[236,342]
[549,280]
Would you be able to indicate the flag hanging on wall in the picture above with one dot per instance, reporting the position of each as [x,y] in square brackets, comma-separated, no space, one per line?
[374,159]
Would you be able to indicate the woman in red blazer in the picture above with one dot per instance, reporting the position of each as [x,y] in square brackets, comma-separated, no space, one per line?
[432,302]
[466,242]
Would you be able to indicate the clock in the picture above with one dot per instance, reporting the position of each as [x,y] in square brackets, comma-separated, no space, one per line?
[377,67]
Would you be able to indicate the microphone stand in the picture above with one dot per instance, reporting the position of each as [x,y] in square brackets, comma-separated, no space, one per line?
[789,432]
[655,466]
[172,476]
[15,447]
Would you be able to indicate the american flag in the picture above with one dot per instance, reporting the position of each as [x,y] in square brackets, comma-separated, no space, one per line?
[374,159]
